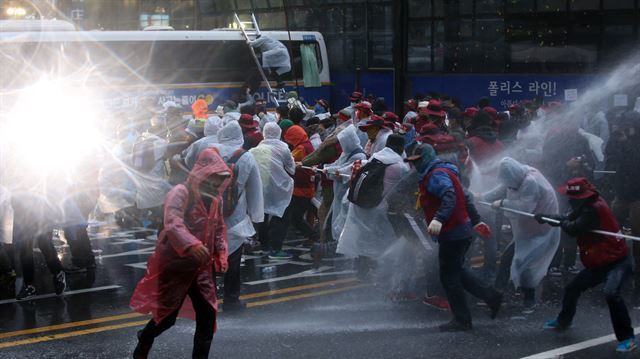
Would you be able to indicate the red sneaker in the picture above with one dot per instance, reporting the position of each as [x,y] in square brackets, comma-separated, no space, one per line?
[437,302]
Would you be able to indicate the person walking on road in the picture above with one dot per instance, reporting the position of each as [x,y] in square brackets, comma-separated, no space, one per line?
[191,244]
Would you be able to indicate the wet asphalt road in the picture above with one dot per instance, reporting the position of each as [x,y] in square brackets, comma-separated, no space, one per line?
[293,312]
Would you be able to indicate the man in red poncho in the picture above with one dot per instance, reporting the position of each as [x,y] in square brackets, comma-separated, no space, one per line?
[193,236]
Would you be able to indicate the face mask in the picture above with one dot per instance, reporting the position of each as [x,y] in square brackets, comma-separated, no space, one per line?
[319,109]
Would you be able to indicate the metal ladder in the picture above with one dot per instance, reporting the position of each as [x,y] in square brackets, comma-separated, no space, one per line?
[272,94]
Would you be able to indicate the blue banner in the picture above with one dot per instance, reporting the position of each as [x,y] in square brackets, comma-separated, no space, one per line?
[502,90]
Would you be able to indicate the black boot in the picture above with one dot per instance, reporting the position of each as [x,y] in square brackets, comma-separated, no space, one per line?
[201,348]
[495,304]
[142,349]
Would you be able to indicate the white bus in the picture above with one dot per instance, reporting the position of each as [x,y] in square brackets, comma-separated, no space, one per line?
[122,67]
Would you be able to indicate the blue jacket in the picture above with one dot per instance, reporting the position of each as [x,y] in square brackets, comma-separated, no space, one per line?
[441,186]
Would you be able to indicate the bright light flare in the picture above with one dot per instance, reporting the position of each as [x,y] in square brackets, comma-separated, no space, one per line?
[52,127]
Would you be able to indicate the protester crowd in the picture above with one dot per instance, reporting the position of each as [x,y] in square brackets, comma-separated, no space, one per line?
[363,182]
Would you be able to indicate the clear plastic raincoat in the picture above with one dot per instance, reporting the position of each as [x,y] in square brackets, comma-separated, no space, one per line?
[525,189]
[170,270]
[250,207]
[152,187]
[368,231]
[276,170]
[274,54]
[351,151]
[211,128]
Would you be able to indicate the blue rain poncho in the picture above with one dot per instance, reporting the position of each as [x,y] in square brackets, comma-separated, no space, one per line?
[250,207]
[525,189]
[276,170]
[274,54]
[351,151]
[368,231]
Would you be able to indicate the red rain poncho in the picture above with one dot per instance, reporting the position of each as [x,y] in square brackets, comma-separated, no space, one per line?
[170,270]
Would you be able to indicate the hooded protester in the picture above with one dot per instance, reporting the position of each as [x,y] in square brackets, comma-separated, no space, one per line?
[351,152]
[275,56]
[523,188]
[605,257]
[304,185]
[448,212]
[191,243]
[367,231]
[249,206]
[230,112]
[252,135]
[377,134]
[276,171]
[149,154]
[211,128]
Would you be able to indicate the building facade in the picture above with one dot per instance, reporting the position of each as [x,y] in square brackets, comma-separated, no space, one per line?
[413,45]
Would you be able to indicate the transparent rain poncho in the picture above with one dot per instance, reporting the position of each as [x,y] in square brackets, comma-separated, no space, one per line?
[211,128]
[152,187]
[274,54]
[525,189]
[368,231]
[276,170]
[350,144]
[250,207]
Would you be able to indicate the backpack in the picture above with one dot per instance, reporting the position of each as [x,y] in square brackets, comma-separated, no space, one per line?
[143,155]
[231,195]
[365,190]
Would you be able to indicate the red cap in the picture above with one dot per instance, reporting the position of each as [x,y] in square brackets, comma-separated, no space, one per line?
[247,121]
[375,120]
[363,106]
[578,188]
[355,96]
[434,109]
[390,116]
[492,112]
[470,112]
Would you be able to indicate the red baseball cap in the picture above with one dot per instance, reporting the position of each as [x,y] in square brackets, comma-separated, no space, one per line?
[434,108]
[375,120]
[247,121]
[578,188]
[355,96]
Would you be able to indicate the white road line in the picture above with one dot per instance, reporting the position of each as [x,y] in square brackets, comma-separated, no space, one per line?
[558,352]
[71,292]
